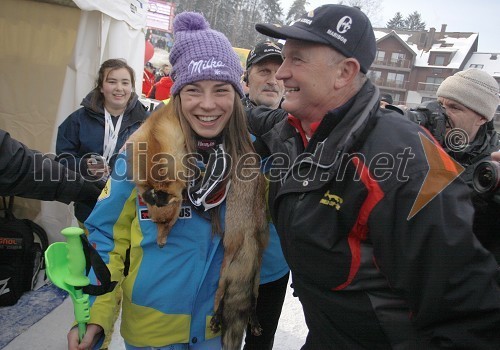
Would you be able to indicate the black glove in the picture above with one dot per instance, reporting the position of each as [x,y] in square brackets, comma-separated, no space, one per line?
[90,191]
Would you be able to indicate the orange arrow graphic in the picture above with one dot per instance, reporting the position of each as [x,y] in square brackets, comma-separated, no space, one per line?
[442,171]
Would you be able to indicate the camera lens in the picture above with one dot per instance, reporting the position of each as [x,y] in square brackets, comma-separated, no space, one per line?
[486,177]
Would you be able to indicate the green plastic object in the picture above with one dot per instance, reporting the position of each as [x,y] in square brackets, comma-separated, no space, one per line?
[65,267]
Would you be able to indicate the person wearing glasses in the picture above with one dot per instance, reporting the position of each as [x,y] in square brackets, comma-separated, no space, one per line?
[169,292]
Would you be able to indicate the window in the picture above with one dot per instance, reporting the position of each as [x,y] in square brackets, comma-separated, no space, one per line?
[397,59]
[432,83]
[396,98]
[425,99]
[439,60]
[395,80]
[479,66]
[379,58]
[374,76]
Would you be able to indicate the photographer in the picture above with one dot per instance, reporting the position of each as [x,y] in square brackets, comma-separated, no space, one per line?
[469,99]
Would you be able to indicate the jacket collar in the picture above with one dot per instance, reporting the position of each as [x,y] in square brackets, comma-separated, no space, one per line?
[135,111]
[346,123]
[485,142]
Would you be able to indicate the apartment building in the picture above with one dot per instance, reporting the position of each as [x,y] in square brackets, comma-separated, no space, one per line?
[410,65]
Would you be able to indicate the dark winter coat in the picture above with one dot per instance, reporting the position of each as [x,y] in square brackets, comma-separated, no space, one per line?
[30,174]
[487,210]
[82,134]
[368,274]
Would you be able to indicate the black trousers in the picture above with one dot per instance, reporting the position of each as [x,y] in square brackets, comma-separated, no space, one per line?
[269,305]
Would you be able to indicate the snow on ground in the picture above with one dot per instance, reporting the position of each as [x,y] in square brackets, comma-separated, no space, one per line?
[50,332]
[291,333]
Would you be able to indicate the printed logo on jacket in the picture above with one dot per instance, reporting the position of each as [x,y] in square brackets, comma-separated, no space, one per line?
[186,210]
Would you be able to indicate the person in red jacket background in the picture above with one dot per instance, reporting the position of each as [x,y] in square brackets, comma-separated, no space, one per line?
[161,89]
[148,78]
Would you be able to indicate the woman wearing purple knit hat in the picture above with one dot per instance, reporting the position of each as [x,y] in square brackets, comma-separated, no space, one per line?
[190,209]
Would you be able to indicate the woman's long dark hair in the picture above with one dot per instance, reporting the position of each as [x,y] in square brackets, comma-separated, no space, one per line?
[236,141]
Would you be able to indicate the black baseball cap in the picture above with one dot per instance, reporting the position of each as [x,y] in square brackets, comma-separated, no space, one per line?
[386,98]
[344,28]
[263,50]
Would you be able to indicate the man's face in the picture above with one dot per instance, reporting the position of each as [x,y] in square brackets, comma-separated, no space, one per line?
[263,87]
[383,104]
[461,117]
[309,73]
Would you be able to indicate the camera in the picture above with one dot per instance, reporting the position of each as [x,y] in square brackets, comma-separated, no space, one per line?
[432,116]
[486,178]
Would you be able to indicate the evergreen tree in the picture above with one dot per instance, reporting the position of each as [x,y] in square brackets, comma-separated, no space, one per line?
[272,11]
[236,18]
[297,9]
[414,22]
[397,22]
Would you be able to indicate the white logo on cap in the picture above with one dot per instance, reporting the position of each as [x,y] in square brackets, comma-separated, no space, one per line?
[344,24]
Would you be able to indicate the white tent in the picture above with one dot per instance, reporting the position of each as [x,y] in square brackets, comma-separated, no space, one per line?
[50,55]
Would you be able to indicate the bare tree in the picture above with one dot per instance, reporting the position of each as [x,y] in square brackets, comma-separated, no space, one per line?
[371,8]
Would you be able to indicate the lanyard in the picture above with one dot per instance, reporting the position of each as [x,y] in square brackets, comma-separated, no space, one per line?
[110,134]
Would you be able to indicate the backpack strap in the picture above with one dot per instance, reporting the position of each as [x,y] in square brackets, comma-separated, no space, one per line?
[8,208]
[40,232]
[94,260]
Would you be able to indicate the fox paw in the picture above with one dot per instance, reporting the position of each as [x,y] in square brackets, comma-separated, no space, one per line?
[215,324]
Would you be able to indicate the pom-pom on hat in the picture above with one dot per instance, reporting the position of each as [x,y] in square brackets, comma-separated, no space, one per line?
[201,53]
[473,88]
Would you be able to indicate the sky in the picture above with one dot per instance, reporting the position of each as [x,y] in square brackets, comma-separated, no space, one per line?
[478,16]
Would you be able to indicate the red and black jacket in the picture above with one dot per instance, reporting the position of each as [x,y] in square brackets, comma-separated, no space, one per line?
[373,266]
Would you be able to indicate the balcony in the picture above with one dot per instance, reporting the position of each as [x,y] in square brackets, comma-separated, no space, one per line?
[427,89]
[394,64]
[391,84]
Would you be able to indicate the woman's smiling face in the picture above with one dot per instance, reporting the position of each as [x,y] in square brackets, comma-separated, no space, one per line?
[207,106]
[116,88]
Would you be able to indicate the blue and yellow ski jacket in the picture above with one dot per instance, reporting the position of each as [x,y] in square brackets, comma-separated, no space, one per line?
[168,294]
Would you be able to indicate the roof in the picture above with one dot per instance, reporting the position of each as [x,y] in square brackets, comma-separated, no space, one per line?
[490,62]
[458,44]
[69,3]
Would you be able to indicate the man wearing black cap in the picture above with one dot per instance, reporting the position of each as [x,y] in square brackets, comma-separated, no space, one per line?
[260,76]
[374,222]
[385,99]
[265,91]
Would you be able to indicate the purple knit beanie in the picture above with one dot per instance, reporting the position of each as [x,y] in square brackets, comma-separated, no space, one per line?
[201,53]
